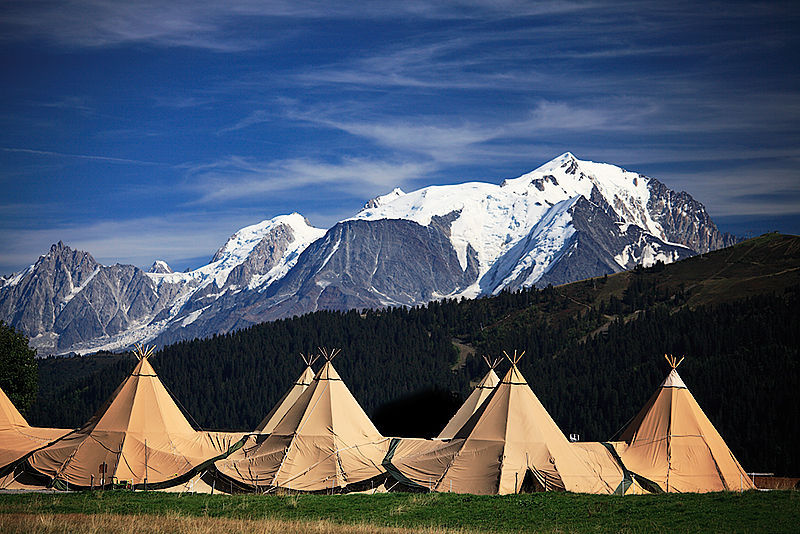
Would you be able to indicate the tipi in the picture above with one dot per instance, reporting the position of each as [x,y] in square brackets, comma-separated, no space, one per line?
[324,442]
[672,446]
[17,438]
[509,444]
[267,425]
[139,437]
[475,400]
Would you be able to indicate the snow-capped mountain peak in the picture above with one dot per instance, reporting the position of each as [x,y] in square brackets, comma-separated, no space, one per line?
[160,267]
[628,193]
[242,243]
[384,199]
[566,220]
[491,219]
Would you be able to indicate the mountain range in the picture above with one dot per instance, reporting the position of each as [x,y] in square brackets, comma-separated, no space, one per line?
[567,220]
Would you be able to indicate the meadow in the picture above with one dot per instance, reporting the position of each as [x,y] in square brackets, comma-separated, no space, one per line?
[140,512]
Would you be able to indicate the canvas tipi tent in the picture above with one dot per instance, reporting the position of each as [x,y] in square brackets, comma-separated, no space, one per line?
[17,438]
[481,392]
[511,443]
[139,436]
[267,425]
[324,442]
[672,446]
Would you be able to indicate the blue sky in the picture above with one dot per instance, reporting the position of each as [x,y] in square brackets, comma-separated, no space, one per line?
[139,130]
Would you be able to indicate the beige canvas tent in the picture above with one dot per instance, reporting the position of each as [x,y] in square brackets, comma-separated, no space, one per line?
[17,439]
[267,425]
[510,444]
[138,437]
[672,446]
[324,442]
[473,402]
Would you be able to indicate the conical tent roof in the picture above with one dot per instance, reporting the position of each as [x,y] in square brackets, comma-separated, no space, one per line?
[9,415]
[139,435]
[471,405]
[673,444]
[17,438]
[325,441]
[510,437]
[267,425]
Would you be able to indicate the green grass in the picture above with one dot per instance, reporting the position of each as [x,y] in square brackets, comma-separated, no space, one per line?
[750,512]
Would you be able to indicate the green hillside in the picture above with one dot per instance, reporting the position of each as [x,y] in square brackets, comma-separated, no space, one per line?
[593,355]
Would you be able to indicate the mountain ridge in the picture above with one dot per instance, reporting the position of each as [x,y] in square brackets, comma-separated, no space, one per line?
[567,220]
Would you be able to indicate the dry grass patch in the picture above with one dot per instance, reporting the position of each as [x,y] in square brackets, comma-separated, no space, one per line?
[176,524]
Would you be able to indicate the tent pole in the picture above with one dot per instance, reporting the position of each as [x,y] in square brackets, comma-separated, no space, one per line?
[145,464]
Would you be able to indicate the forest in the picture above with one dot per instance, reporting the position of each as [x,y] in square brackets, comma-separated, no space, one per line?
[593,355]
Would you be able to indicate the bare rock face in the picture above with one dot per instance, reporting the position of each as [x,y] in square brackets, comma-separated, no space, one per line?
[160,267]
[266,255]
[375,263]
[685,220]
[116,297]
[67,298]
[34,302]
[600,244]
[357,264]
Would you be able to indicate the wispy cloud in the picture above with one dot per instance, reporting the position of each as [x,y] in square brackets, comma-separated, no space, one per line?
[137,241]
[441,143]
[97,23]
[182,101]
[213,25]
[245,178]
[502,54]
[564,116]
[77,156]
[445,140]
[77,103]
[746,189]
[258,116]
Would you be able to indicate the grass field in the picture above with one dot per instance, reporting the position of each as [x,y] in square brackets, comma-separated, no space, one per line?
[122,511]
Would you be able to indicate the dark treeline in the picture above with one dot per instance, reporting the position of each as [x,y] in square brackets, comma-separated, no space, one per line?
[230,381]
[593,357]
[742,365]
